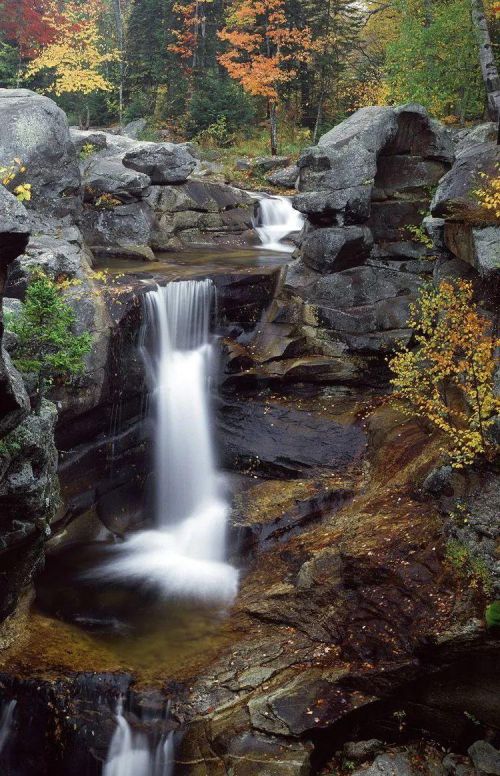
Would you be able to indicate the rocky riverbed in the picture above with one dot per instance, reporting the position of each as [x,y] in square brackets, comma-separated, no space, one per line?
[351,623]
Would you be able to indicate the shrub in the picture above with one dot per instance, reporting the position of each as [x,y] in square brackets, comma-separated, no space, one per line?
[47,346]
[216,99]
[448,376]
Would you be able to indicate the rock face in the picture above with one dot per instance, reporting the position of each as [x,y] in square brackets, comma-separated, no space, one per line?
[35,130]
[28,458]
[139,198]
[363,189]
[164,163]
[469,232]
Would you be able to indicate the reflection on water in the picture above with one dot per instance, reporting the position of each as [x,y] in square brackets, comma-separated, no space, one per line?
[208,260]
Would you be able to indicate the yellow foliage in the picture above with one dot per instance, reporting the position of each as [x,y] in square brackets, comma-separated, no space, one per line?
[489,196]
[448,377]
[8,175]
[77,52]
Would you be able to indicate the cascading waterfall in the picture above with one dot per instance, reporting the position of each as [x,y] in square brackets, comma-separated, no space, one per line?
[185,554]
[277,219]
[131,754]
[6,722]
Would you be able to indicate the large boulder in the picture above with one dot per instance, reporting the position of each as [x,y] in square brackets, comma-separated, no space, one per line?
[455,192]
[35,130]
[128,226]
[164,163]
[346,156]
[336,249]
[107,176]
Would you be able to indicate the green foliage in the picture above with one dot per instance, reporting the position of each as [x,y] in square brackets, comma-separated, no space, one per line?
[434,60]
[492,615]
[469,566]
[219,103]
[47,346]
[87,150]
[12,444]
[9,65]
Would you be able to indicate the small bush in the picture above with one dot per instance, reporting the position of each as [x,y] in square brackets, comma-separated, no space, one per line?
[47,346]
[447,377]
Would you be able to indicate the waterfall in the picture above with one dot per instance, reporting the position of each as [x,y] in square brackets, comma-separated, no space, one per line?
[277,219]
[131,754]
[184,555]
[6,722]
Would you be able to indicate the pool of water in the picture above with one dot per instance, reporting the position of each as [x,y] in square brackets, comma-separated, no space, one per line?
[209,260]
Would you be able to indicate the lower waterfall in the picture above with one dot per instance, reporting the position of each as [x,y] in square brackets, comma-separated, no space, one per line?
[276,220]
[131,754]
[6,722]
[184,555]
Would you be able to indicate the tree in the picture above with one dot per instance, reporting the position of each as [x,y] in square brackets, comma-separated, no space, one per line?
[263,51]
[191,37]
[76,54]
[448,377]
[219,98]
[489,68]
[448,80]
[47,346]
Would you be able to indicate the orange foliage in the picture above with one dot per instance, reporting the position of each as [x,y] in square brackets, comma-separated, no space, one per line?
[192,15]
[264,50]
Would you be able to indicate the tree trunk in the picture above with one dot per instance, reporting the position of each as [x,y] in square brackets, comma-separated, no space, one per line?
[121,46]
[319,116]
[489,68]
[273,115]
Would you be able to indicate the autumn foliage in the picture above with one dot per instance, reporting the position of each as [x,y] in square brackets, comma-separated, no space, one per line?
[264,50]
[447,378]
[76,52]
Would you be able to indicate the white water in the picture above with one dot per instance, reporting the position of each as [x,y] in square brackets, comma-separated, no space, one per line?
[6,722]
[277,219]
[130,753]
[185,554]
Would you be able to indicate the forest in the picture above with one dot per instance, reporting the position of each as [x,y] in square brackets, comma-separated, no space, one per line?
[273,72]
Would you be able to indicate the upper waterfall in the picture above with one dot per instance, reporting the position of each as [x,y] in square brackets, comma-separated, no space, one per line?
[276,220]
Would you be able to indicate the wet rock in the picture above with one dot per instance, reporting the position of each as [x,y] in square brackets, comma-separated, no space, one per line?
[29,498]
[283,440]
[253,754]
[360,751]
[36,131]
[485,757]
[285,178]
[334,250]
[266,163]
[396,764]
[164,163]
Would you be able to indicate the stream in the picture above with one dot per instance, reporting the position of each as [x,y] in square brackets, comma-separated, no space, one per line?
[156,600]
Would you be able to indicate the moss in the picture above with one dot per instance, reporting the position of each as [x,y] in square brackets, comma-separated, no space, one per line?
[469,566]
[492,615]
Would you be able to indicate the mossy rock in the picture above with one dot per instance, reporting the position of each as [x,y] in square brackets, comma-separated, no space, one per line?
[492,615]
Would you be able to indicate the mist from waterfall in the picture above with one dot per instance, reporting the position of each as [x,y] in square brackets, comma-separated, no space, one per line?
[277,219]
[131,753]
[184,555]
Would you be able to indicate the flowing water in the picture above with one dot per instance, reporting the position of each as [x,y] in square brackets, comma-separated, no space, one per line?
[184,555]
[6,722]
[276,220]
[132,754]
